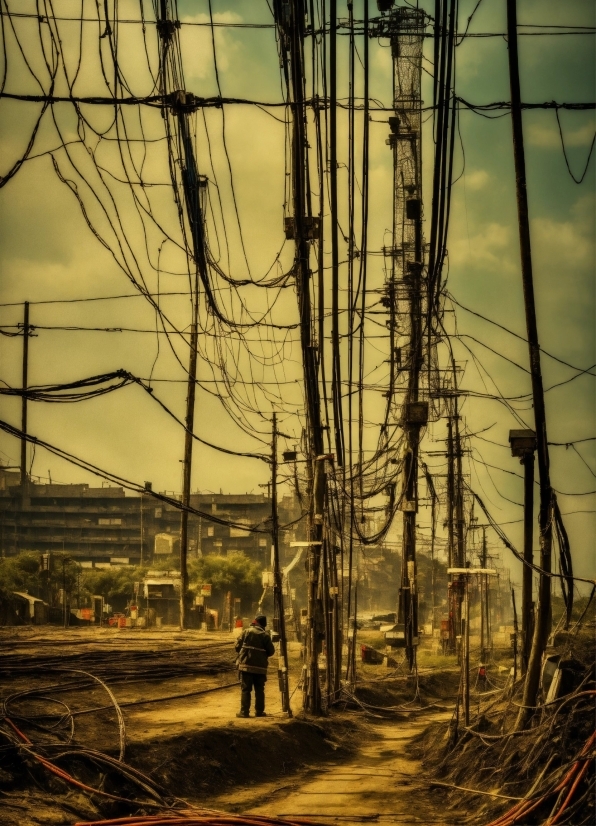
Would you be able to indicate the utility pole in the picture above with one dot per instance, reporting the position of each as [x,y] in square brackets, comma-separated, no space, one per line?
[466,651]
[459,493]
[405,27]
[335,337]
[542,623]
[451,558]
[460,555]
[455,521]
[303,228]
[515,632]
[141,560]
[187,473]
[523,445]
[177,112]
[464,575]
[24,473]
[483,601]
[65,560]
[278,596]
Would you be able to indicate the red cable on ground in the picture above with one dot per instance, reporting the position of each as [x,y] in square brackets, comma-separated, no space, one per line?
[207,818]
[211,819]
[63,775]
[524,807]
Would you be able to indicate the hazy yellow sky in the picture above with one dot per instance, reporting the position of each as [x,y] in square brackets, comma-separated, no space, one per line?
[49,254]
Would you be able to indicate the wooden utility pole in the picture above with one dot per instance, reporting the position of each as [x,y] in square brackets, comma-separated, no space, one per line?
[187,473]
[527,574]
[515,633]
[542,623]
[464,575]
[523,445]
[142,532]
[451,558]
[24,474]
[455,522]
[335,338]
[278,596]
[304,229]
[466,652]
[460,525]
[177,113]
[483,598]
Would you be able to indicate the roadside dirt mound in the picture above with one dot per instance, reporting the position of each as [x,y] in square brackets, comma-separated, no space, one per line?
[202,764]
[546,769]
[401,690]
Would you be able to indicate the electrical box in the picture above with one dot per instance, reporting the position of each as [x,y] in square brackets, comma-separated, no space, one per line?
[522,442]
[311,227]
[290,455]
[267,579]
[416,413]
[413,209]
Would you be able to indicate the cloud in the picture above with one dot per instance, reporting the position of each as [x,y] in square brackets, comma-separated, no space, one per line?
[199,59]
[546,135]
[566,246]
[490,249]
[477,179]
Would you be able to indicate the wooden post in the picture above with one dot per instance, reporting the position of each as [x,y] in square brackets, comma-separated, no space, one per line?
[515,632]
[278,597]
[542,623]
[291,33]
[528,462]
[451,561]
[24,473]
[187,472]
[466,657]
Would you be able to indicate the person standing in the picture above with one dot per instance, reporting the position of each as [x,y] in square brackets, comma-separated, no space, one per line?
[254,647]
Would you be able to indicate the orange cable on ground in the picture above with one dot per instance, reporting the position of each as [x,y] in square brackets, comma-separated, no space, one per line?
[220,819]
[63,775]
[571,779]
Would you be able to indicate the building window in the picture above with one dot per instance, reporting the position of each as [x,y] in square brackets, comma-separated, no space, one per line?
[109,521]
[211,531]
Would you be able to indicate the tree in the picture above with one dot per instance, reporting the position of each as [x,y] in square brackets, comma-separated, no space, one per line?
[21,573]
[235,573]
[115,585]
[24,573]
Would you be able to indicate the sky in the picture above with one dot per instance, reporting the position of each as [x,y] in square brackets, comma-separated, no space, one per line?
[48,253]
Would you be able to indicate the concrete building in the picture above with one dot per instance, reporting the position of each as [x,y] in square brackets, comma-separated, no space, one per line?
[93,525]
[105,526]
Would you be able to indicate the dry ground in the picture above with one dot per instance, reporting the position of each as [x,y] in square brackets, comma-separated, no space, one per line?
[349,767]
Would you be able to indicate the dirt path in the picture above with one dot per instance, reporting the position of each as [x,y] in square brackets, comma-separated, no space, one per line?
[379,783]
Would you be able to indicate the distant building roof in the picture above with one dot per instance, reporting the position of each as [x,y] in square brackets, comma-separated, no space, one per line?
[29,597]
[9,478]
[229,498]
[64,491]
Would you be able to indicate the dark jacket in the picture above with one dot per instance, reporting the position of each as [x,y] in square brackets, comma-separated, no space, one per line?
[254,647]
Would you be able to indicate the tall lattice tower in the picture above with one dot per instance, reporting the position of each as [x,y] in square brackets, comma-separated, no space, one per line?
[406,291]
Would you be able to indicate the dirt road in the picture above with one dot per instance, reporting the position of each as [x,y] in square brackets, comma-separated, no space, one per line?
[346,768]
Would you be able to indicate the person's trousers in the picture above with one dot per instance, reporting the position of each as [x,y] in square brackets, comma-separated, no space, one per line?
[247,682]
